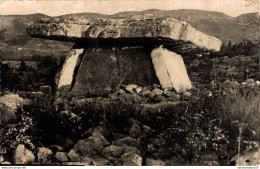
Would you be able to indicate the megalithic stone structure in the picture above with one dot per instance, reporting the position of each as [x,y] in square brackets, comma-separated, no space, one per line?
[124,50]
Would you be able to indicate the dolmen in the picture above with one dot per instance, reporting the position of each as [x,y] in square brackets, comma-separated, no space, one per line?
[110,52]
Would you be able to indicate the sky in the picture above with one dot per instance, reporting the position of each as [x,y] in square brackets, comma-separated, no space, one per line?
[61,7]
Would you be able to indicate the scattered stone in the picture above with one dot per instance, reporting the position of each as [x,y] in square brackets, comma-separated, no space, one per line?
[12,100]
[56,148]
[157,91]
[23,155]
[187,94]
[250,82]
[61,157]
[73,156]
[68,144]
[90,161]
[146,93]
[76,163]
[129,141]
[102,161]
[148,130]
[92,145]
[152,162]
[138,90]
[121,91]
[133,160]
[45,89]
[44,155]
[130,87]
[113,152]
[135,131]
[6,163]
[6,114]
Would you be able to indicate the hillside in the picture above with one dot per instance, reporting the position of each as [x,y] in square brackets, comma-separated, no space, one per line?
[13,28]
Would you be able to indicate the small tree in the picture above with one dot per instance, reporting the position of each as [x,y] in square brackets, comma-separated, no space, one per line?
[22,66]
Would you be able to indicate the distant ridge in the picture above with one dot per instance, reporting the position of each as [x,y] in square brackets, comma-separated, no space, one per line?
[217,24]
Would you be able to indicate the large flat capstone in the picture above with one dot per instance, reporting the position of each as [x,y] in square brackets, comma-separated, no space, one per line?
[166,30]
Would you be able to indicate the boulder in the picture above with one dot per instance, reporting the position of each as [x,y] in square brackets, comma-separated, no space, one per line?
[152,162]
[133,160]
[44,155]
[6,113]
[12,100]
[23,155]
[73,156]
[113,152]
[61,157]
[170,70]
[92,145]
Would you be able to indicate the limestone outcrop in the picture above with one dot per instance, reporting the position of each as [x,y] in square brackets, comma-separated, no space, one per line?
[109,53]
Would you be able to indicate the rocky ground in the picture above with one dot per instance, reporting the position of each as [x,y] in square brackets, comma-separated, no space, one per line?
[133,126]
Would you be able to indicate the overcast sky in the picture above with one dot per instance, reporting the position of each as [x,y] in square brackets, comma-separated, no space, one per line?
[60,7]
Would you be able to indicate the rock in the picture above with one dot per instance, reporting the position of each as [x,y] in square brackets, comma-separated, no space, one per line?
[76,164]
[133,160]
[209,160]
[90,161]
[113,152]
[61,157]
[148,130]
[121,91]
[250,82]
[187,94]
[129,141]
[56,148]
[157,91]
[92,145]
[6,163]
[44,155]
[130,98]
[45,89]
[73,156]
[130,87]
[138,90]
[12,100]
[23,155]
[170,70]
[152,162]
[135,131]
[248,158]
[168,29]
[65,76]
[68,144]
[6,114]
[102,161]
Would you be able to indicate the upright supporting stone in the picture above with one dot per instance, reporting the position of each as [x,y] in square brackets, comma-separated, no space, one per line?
[170,70]
[66,75]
